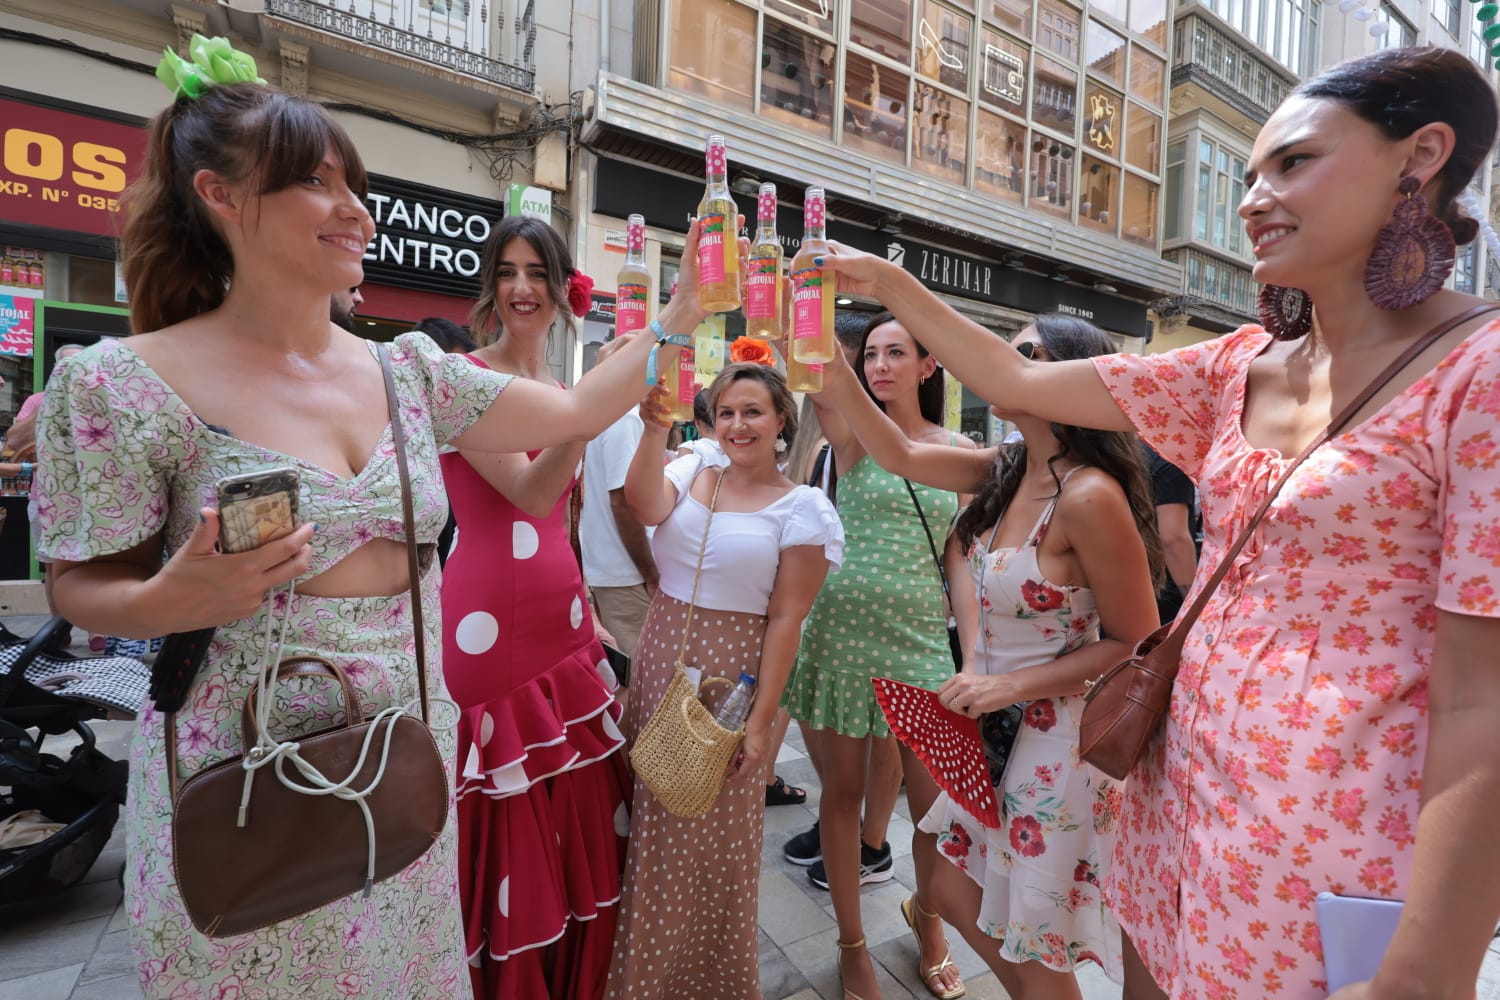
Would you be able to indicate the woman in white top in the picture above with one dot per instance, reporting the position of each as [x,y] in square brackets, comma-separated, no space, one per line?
[687,925]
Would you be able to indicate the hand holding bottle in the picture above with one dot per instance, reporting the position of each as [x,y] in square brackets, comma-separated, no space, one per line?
[859,273]
[656,408]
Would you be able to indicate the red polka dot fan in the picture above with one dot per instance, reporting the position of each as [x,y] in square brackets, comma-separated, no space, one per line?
[946,742]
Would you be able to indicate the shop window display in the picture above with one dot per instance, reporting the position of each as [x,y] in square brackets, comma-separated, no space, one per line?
[940,124]
[1051,188]
[1054,95]
[1012,15]
[1105,51]
[882,26]
[713,50]
[1138,221]
[1098,195]
[875,107]
[999,157]
[796,78]
[1148,75]
[1004,65]
[942,49]
[1143,130]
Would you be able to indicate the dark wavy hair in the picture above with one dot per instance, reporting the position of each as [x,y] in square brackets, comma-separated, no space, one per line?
[484,319]
[1401,90]
[1118,453]
[176,263]
[929,393]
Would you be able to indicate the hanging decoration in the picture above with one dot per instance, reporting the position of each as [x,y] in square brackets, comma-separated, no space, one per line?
[1488,12]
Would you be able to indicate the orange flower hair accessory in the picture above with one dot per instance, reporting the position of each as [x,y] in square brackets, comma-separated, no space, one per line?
[749,349]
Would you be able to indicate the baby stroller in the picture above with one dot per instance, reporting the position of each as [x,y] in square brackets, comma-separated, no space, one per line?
[56,813]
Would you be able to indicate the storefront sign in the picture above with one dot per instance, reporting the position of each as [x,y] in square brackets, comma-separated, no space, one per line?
[17,324]
[665,200]
[427,238]
[527,200]
[64,170]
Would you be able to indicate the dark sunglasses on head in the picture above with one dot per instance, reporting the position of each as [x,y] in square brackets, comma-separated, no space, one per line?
[1029,350]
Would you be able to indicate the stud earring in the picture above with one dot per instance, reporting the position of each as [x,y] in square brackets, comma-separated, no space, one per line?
[1413,254]
[1286,313]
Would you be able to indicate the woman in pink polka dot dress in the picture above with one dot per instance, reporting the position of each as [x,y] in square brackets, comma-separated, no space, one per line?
[541,782]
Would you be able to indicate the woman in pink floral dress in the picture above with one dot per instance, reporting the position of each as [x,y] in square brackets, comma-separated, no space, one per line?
[1334,725]
[248,216]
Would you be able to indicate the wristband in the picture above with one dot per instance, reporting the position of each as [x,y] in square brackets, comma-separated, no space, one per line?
[658,331]
[26,468]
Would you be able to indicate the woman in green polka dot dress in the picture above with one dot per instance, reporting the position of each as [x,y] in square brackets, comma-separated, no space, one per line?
[881,615]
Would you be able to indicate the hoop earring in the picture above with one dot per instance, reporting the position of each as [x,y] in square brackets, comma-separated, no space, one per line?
[1286,313]
[1413,255]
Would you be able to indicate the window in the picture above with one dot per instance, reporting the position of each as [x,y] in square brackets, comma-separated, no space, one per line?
[1105,52]
[883,26]
[1142,138]
[1221,188]
[713,50]
[875,107]
[999,157]
[940,134]
[1398,33]
[1176,154]
[1101,120]
[943,46]
[1012,15]
[1057,28]
[1148,18]
[1114,9]
[1138,222]
[1003,82]
[796,86]
[1054,95]
[816,14]
[1465,269]
[1099,195]
[1452,15]
[1148,76]
[1051,176]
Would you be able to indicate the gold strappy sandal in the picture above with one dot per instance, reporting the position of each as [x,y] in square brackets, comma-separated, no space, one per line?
[838,961]
[932,976]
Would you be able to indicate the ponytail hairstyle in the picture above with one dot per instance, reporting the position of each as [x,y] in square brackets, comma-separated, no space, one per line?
[1401,90]
[1118,453]
[930,398]
[484,318]
[176,262]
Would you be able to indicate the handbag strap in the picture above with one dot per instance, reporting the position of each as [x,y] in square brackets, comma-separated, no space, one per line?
[408,517]
[931,543]
[1185,623]
[687,626]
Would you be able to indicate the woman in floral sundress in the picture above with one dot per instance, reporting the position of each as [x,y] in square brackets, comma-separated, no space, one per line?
[1334,725]
[248,216]
[1060,538]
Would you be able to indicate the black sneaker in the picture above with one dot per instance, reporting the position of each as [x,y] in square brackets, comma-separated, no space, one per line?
[874,866]
[805,848]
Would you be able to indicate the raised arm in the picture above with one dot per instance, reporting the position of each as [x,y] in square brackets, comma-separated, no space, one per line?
[1069,392]
[948,467]
[650,494]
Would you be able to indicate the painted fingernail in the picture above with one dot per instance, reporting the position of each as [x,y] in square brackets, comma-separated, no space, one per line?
[201,518]
[315,527]
[818,261]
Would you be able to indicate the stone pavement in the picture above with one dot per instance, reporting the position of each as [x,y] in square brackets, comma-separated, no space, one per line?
[75,947]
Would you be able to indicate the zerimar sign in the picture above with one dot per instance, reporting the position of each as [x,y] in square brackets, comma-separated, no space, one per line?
[427,238]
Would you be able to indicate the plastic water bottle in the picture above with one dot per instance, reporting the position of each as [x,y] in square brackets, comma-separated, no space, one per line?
[736,707]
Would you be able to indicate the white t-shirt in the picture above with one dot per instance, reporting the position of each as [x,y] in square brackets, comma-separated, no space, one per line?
[605,463]
[708,449]
[744,549]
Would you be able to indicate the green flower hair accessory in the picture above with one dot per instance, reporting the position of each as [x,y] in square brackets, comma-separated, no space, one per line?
[213,62]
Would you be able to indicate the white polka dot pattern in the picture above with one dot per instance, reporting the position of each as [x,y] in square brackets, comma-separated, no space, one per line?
[477,632]
[524,540]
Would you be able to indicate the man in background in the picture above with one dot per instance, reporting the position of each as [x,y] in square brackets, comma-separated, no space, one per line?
[1176,522]
[617,562]
[344,306]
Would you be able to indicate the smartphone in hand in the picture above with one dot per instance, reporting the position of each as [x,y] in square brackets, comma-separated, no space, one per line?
[257,507]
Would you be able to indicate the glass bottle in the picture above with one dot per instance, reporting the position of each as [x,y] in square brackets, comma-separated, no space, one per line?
[813,290]
[718,243]
[804,377]
[633,291]
[763,283]
[677,367]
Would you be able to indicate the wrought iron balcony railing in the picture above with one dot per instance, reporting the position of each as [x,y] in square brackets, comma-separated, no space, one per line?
[1217,281]
[492,40]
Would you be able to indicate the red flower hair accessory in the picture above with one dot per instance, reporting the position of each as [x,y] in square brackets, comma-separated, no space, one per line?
[749,349]
[580,292]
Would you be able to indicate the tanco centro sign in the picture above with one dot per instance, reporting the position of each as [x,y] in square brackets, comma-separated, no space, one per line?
[427,238]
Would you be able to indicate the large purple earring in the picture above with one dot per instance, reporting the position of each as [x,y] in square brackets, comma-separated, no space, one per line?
[1286,313]
[1413,254]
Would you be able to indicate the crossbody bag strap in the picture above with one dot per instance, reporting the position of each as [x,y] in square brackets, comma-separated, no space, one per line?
[687,626]
[931,543]
[408,517]
[1185,624]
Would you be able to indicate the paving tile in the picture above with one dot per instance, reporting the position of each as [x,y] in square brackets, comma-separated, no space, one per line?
[82,902]
[111,959]
[814,957]
[120,921]
[778,976]
[786,914]
[123,988]
[26,950]
[53,984]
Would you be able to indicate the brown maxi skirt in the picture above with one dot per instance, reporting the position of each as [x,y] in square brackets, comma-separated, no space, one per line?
[688,909]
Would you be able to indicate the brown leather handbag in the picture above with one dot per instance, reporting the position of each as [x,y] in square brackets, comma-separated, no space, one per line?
[250,850]
[1126,707]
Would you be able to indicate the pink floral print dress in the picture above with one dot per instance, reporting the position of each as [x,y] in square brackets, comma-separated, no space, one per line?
[1292,758]
[1040,872]
[122,458]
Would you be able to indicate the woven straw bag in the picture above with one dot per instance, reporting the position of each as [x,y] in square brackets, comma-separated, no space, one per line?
[682,753]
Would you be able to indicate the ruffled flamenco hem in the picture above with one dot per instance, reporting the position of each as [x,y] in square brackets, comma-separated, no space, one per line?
[543,818]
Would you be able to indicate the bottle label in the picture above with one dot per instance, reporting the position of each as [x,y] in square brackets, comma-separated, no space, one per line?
[760,288]
[711,250]
[687,372]
[807,303]
[630,308]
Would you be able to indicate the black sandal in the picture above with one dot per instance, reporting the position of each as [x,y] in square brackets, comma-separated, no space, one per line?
[779,793]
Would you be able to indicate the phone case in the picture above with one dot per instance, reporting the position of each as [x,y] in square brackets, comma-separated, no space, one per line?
[257,507]
[619,663]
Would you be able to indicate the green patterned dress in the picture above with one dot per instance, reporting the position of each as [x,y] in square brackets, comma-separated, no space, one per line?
[882,614]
